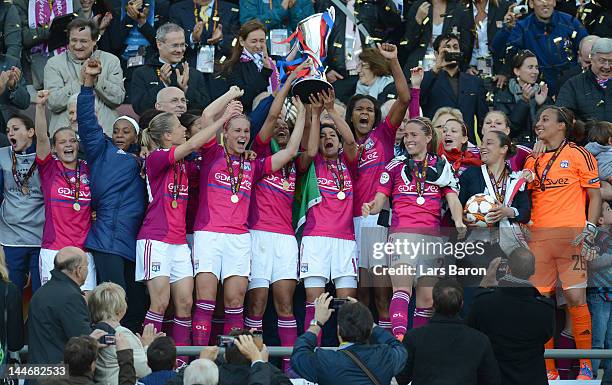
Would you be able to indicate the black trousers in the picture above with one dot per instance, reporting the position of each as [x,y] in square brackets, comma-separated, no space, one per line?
[116,269]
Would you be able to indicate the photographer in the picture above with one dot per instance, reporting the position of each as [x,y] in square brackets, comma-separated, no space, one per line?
[516,318]
[446,86]
[355,362]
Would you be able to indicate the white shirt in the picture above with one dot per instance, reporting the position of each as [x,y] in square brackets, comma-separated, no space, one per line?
[351,38]
[481,48]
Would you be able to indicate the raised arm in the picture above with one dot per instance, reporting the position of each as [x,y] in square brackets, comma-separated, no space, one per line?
[349,145]
[90,132]
[312,147]
[285,155]
[267,129]
[43,145]
[206,133]
[400,106]
[217,107]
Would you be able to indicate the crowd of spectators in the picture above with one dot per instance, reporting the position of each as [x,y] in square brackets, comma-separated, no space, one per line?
[161,186]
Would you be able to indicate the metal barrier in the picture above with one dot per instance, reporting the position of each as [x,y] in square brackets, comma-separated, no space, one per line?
[281,351]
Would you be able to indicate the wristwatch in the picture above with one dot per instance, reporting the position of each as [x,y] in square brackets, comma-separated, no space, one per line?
[314,322]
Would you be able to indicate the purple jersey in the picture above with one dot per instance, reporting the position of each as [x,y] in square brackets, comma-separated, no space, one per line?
[216,211]
[407,213]
[167,186]
[332,217]
[270,208]
[377,151]
[64,226]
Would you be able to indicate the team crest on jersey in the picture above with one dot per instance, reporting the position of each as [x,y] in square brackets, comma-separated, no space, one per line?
[247,166]
[564,164]
[384,178]
[304,268]
[84,179]
[155,266]
[369,144]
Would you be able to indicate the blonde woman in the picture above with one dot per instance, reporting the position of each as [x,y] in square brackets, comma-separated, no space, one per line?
[11,328]
[107,306]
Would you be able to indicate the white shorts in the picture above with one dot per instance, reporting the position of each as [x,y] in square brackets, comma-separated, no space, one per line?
[428,257]
[328,258]
[275,257]
[224,255]
[159,259]
[45,265]
[367,233]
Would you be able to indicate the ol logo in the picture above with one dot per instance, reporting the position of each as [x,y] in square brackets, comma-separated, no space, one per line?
[384,178]
[304,268]
[564,164]
[155,266]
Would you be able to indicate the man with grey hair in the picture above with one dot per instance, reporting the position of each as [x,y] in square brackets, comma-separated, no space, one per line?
[584,59]
[168,70]
[171,99]
[587,94]
[202,372]
[58,309]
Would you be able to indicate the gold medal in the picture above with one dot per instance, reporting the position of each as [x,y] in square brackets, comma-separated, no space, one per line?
[76,206]
[420,200]
[234,198]
[174,204]
[285,185]
[25,190]
[341,195]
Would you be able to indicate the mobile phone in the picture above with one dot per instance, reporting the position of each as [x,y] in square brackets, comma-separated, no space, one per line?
[108,339]
[384,218]
[337,303]
[453,56]
[502,269]
[225,341]
[520,9]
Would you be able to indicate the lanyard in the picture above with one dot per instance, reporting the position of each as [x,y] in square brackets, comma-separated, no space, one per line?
[76,187]
[215,15]
[177,170]
[337,173]
[23,185]
[500,193]
[420,172]
[542,178]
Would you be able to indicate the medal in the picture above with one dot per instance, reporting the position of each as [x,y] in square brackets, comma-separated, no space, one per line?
[341,195]
[285,185]
[23,184]
[420,200]
[421,175]
[338,178]
[177,182]
[76,206]
[234,183]
[174,204]
[25,190]
[76,187]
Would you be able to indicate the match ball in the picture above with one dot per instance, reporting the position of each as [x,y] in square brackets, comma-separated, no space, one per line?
[477,208]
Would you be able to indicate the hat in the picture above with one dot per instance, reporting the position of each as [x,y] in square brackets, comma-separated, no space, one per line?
[131,120]
[58,36]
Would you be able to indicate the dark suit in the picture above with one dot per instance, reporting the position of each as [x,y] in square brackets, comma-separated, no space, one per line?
[146,84]
[519,322]
[224,13]
[436,92]
[248,78]
[418,36]
[447,352]
[19,98]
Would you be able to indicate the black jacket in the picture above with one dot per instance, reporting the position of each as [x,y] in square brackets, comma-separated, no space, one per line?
[246,76]
[586,98]
[146,84]
[226,14]
[518,322]
[10,31]
[418,36]
[57,312]
[11,305]
[437,92]
[17,99]
[447,352]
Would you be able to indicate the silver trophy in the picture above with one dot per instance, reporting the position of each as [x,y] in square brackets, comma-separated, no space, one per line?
[312,34]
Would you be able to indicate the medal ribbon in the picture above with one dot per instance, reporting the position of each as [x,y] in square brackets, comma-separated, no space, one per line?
[26,178]
[338,174]
[234,184]
[420,175]
[76,188]
[177,179]
[500,194]
[542,178]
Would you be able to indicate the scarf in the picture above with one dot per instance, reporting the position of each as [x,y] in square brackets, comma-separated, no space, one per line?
[41,13]
[246,57]
[603,83]
[458,158]
[375,88]
[517,92]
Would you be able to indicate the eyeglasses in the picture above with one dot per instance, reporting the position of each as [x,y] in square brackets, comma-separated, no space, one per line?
[177,101]
[602,61]
[176,45]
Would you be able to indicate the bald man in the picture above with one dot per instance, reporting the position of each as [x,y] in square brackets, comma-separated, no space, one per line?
[58,309]
[171,99]
[584,59]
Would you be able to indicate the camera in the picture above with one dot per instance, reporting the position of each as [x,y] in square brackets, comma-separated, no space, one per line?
[225,341]
[453,56]
[108,339]
[337,303]
[502,269]
[520,9]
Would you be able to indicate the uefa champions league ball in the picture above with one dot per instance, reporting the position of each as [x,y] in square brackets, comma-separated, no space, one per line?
[477,208]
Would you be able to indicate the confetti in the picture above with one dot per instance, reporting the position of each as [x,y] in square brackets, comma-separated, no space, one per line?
[599,103]
[426,20]
[235,10]
[234,42]
[557,40]
[601,19]
[222,59]
[574,34]
[337,45]
[404,42]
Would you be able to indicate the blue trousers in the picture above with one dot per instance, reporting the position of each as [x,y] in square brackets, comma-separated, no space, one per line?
[601,319]
[19,261]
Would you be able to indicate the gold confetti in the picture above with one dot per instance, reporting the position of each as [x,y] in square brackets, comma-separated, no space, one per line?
[234,42]
[390,96]
[404,42]
[426,20]
[557,40]
[601,19]
[387,8]
[129,25]
[215,18]
[235,10]
[337,45]
[599,103]
[574,34]
[222,59]
[588,10]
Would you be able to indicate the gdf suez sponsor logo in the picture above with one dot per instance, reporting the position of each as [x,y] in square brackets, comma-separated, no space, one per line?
[225,179]
[548,182]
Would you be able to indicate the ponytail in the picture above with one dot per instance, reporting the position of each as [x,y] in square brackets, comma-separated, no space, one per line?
[151,136]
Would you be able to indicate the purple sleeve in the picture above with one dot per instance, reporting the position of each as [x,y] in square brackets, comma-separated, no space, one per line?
[159,161]
[45,167]
[262,149]
[414,106]
[386,181]
[261,167]
[386,133]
